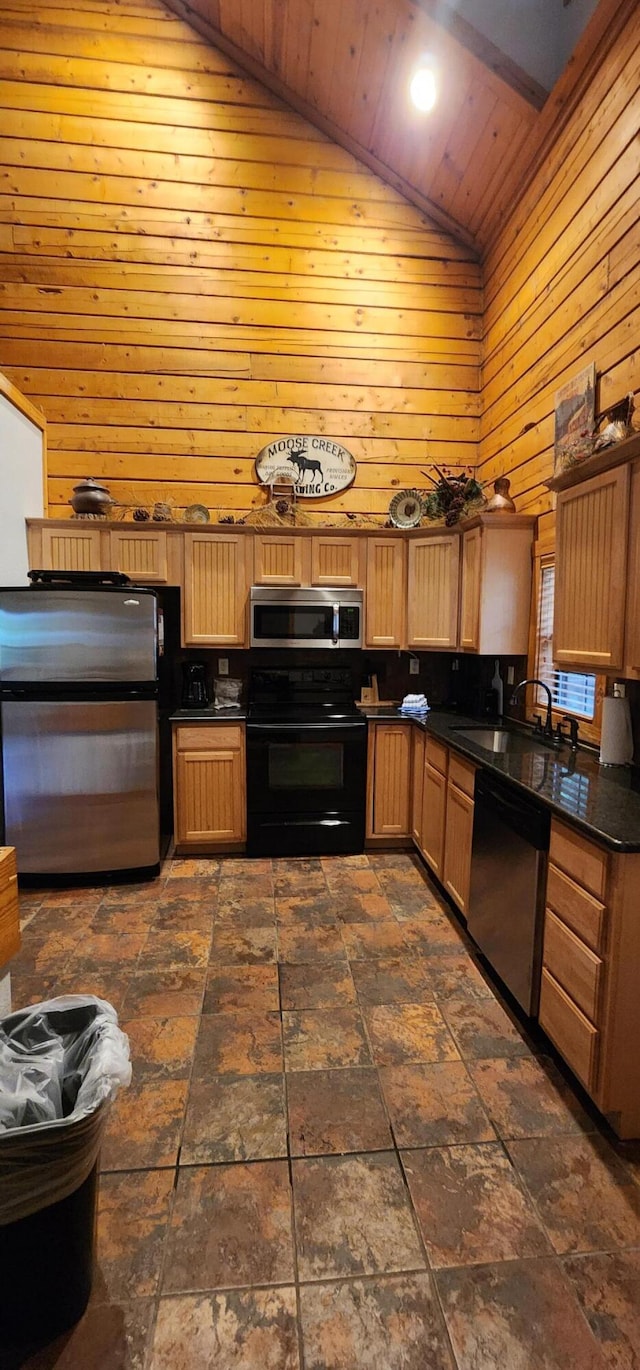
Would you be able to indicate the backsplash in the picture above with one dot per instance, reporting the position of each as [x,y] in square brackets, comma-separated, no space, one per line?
[447,679]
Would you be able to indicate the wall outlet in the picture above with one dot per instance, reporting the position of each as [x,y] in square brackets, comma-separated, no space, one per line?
[511,675]
[223,665]
[414,666]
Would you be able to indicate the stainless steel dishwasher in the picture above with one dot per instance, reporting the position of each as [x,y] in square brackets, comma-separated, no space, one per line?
[508,877]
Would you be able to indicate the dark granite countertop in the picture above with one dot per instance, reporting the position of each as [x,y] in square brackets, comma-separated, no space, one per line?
[208,714]
[604,802]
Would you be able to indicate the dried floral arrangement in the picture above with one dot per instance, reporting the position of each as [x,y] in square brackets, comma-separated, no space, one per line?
[455,494]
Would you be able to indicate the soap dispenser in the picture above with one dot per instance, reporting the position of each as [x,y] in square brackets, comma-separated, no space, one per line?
[498,689]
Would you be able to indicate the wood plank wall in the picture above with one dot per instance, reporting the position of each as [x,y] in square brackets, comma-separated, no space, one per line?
[188,270]
[562,282]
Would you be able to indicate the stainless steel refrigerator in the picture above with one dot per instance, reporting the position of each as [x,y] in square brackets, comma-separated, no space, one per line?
[79,718]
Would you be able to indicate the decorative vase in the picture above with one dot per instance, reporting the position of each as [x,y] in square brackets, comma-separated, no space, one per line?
[90,497]
[501,501]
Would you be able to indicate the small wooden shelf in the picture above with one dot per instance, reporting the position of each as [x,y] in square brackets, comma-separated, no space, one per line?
[619,452]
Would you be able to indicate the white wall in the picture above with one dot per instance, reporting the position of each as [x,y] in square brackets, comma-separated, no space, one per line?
[21,489]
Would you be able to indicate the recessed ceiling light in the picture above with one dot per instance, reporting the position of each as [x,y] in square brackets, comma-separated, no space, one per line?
[423,88]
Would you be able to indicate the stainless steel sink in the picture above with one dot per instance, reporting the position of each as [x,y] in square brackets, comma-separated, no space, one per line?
[498,739]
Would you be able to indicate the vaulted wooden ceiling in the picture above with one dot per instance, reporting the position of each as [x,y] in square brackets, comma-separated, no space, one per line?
[346,65]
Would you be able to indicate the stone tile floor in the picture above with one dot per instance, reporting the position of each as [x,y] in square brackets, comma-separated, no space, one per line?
[339,1150]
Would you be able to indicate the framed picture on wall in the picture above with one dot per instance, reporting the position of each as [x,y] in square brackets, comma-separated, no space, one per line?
[575,414]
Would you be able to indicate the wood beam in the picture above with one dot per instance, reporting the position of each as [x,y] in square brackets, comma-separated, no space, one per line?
[338,135]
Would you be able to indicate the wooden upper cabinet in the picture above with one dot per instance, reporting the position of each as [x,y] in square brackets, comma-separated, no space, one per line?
[215,589]
[389,764]
[71,549]
[496,584]
[470,600]
[142,556]
[432,607]
[335,561]
[385,595]
[632,624]
[280,559]
[591,566]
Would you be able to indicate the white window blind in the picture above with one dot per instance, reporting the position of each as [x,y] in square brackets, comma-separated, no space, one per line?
[571,691]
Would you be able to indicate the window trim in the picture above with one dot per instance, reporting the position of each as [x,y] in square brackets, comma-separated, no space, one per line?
[589,730]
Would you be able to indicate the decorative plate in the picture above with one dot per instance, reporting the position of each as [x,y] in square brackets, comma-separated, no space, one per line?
[196,513]
[406,509]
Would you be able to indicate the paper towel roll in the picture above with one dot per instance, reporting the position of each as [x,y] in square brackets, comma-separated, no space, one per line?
[616,741]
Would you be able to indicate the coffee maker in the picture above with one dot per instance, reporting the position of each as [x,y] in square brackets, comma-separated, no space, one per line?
[195,694]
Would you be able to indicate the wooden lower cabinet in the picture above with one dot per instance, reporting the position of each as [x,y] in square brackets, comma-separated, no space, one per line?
[434,812]
[417,784]
[589,1000]
[209,791]
[389,788]
[10,939]
[457,846]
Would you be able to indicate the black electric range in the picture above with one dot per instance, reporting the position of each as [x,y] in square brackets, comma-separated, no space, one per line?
[306,763]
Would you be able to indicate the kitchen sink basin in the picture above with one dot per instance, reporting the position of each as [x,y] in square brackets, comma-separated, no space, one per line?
[499,739]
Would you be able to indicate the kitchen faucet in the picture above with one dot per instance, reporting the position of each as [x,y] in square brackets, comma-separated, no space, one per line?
[548,727]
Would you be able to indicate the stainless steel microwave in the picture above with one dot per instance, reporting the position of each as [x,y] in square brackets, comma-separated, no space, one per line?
[310,617]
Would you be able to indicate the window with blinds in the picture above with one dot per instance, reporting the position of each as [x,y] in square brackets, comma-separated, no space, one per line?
[571,691]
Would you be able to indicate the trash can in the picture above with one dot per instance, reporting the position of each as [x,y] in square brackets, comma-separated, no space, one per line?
[61,1062]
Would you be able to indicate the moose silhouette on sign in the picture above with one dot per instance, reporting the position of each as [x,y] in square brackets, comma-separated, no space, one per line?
[297,458]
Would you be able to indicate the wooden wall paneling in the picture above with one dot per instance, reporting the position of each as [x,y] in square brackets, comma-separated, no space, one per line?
[158,329]
[562,280]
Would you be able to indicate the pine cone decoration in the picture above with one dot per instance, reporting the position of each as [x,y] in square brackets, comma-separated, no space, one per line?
[226,518]
[141,515]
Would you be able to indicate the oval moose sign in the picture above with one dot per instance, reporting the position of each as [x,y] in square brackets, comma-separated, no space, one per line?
[318,466]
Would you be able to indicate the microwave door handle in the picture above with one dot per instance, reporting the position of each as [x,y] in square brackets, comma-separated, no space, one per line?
[336,625]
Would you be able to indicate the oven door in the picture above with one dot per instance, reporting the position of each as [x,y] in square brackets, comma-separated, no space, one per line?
[306,788]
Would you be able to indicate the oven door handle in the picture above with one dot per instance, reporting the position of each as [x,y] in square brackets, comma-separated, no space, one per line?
[336,625]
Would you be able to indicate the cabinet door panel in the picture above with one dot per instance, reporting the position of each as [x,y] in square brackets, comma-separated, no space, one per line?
[591,563]
[72,549]
[471,588]
[457,848]
[434,808]
[574,1036]
[573,965]
[142,556]
[335,561]
[417,786]
[280,560]
[209,796]
[391,798]
[215,590]
[432,609]
[384,604]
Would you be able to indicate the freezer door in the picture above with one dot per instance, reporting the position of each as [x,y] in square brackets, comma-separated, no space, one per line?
[73,636]
[81,785]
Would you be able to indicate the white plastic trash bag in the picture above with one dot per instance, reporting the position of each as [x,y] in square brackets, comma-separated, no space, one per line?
[61,1062]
